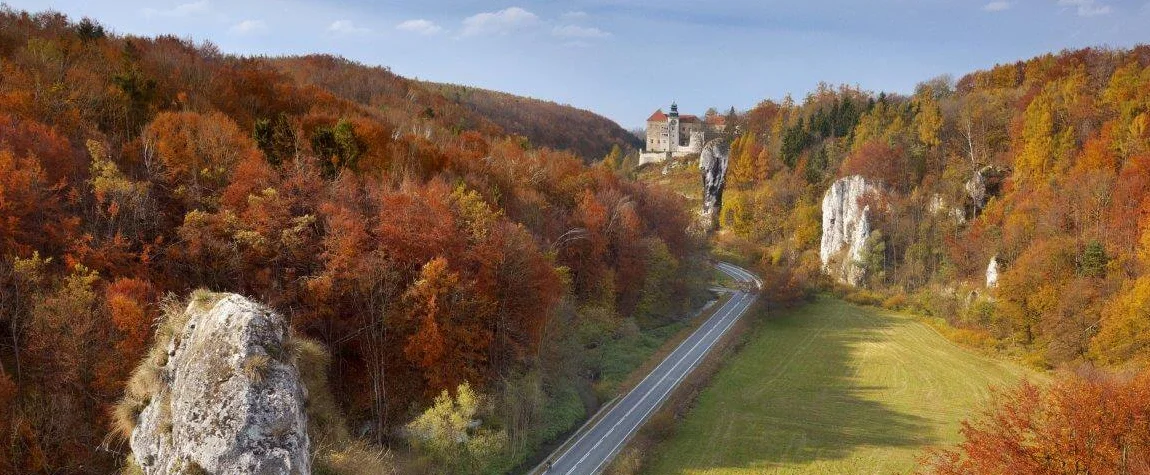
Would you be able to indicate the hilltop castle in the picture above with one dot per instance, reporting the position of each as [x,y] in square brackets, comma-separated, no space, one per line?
[674,136]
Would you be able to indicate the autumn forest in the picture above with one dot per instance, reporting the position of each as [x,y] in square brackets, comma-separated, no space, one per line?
[451,252]
[417,241]
[1038,169]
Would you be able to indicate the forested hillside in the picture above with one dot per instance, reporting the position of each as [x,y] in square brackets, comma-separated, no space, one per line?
[424,248]
[1012,208]
[548,124]
[1061,144]
[461,108]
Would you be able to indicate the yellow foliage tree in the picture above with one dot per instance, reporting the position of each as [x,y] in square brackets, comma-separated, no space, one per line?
[745,169]
[1124,332]
[1048,134]
[1126,94]
[928,120]
[736,213]
[450,432]
[884,123]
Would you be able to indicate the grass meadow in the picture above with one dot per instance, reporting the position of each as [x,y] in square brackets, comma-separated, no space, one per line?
[831,387]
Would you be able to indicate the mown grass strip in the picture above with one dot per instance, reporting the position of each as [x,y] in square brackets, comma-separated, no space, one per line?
[832,387]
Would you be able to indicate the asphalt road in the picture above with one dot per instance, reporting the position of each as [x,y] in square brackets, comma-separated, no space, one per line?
[597,444]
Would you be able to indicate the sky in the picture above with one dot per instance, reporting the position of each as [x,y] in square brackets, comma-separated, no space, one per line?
[625,58]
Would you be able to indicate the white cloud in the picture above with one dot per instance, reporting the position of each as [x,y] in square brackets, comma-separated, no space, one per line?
[996,6]
[181,10]
[347,27]
[249,27]
[1087,7]
[420,26]
[576,31]
[573,16]
[498,23]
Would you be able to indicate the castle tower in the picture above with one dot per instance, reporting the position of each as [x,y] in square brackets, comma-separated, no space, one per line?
[673,130]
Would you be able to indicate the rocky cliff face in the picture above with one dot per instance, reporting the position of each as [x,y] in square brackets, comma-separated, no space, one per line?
[985,183]
[845,228]
[992,273]
[713,162]
[228,399]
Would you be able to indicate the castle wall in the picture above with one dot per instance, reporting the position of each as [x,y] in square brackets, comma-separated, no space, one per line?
[672,135]
[657,137]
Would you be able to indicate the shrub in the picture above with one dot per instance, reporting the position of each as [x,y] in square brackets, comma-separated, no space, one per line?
[895,302]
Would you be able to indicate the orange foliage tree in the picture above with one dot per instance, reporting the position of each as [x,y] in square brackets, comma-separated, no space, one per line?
[1083,423]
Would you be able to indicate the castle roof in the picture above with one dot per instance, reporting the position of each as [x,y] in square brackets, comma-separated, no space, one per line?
[716,120]
[659,116]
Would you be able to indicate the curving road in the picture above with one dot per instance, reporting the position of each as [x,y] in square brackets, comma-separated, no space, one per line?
[596,445]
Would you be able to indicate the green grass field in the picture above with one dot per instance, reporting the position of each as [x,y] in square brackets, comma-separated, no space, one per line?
[831,387]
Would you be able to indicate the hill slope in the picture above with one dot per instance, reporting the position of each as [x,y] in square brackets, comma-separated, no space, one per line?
[460,108]
[428,250]
[1041,166]
[546,123]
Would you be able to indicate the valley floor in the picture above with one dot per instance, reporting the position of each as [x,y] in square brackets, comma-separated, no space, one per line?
[832,387]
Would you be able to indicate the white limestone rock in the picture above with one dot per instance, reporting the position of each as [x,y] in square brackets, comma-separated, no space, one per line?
[845,228]
[230,400]
[713,162]
[992,273]
[976,189]
[939,206]
[984,184]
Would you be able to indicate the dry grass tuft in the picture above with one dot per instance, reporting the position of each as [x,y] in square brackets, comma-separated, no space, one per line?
[146,381]
[131,467]
[325,419]
[334,451]
[353,458]
[256,367]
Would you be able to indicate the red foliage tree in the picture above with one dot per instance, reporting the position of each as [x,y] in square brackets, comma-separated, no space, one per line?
[1080,424]
[879,161]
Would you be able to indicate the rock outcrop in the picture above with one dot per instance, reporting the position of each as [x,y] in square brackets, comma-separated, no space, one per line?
[939,206]
[713,161]
[845,228]
[985,183]
[228,399]
[992,273]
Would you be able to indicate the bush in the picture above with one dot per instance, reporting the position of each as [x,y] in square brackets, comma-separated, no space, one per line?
[864,297]
[451,433]
[895,302]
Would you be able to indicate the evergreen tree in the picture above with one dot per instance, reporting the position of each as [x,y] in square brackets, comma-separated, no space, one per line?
[1093,261]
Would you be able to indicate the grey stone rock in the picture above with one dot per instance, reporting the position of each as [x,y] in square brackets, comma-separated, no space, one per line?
[985,183]
[713,161]
[230,399]
[938,206]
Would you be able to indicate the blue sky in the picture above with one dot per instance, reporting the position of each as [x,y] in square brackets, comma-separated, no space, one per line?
[625,58]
